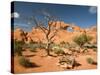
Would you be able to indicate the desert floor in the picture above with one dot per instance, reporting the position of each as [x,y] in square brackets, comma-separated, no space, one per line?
[48,63]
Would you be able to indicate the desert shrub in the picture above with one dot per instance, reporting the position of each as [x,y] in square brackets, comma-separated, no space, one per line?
[82,39]
[95,49]
[53,45]
[88,38]
[18,47]
[90,60]
[33,42]
[64,44]
[42,45]
[24,62]
[58,50]
[33,47]
[73,45]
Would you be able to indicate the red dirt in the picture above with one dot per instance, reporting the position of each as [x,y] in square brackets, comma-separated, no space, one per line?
[48,63]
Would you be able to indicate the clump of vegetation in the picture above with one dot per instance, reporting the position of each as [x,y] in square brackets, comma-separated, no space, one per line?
[91,61]
[32,47]
[67,44]
[58,50]
[43,46]
[25,62]
[95,49]
[63,44]
[82,39]
[18,47]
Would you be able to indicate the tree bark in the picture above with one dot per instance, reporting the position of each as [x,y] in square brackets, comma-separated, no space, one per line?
[48,48]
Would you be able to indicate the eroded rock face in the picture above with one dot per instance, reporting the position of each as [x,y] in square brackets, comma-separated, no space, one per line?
[94,28]
[19,35]
[77,29]
[58,25]
[38,36]
[92,31]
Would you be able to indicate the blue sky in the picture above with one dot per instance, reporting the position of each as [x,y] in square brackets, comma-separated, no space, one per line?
[83,16]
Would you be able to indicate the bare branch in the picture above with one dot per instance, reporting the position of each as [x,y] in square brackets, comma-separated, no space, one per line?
[35,21]
[54,34]
[42,28]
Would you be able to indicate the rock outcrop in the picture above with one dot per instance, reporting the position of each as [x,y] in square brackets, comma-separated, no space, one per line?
[58,25]
[19,35]
[37,35]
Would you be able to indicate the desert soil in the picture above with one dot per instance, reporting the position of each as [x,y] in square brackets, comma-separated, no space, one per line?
[48,63]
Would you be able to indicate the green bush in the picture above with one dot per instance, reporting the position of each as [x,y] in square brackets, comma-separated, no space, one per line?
[25,62]
[90,60]
[43,45]
[82,39]
[64,44]
[18,46]
[51,47]
[57,50]
[32,47]
[95,49]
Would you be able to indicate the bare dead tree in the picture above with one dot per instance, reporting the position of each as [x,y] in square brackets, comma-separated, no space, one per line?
[49,19]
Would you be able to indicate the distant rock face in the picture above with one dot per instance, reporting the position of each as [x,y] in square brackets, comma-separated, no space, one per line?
[38,36]
[58,25]
[94,28]
[65,26]
[19,35]
[92,31]
[78,29]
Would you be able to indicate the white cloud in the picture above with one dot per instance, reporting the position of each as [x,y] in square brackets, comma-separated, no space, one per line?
[15,15]
[93,9]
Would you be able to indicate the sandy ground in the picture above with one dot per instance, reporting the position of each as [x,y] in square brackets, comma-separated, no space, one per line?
[48,63]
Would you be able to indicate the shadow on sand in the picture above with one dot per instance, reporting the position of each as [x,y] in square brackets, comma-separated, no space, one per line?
[29,55]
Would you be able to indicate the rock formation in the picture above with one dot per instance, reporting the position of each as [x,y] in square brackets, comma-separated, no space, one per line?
[19,35]
[77,29]
[37,35]
[58,25]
